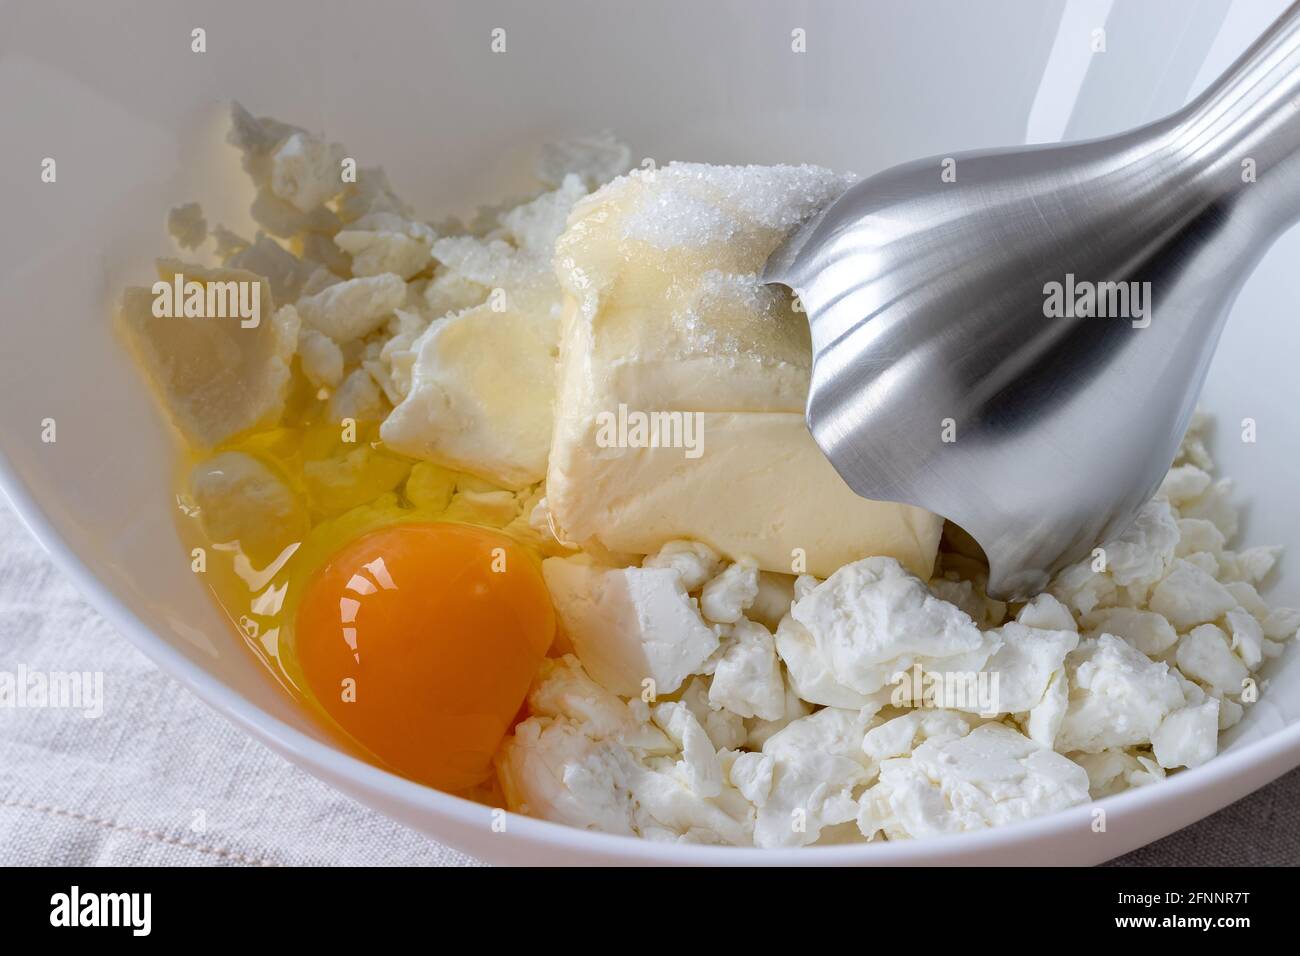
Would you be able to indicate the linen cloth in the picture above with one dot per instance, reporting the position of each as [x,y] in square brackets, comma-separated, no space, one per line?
[161,779]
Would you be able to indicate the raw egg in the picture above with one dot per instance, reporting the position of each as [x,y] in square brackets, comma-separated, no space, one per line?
[421,640]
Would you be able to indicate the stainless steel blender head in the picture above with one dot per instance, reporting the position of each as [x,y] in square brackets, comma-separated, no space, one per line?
[1015,339]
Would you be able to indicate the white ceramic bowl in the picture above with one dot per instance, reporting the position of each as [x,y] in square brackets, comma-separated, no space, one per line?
[133,120]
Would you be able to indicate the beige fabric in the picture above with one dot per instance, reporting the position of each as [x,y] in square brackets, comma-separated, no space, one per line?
[159,778]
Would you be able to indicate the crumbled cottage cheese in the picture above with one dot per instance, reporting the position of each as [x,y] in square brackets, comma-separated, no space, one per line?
[1108,681]
[710,696]
[872,619]
[630,624]
[987,777]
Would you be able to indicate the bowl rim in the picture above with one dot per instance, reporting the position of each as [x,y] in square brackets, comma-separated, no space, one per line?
[324,761]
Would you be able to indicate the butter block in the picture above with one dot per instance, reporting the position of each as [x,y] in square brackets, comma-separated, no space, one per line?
[666,321]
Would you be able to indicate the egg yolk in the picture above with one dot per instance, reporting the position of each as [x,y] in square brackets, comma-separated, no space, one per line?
[421,640]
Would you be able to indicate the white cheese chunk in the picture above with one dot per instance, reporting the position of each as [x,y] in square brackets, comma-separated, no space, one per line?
[321,359]
[1281,624]
[1082,589]
[306,171]
[535,226]
[283,219]
[515,261]
[812,677]
[1215,505]
[1046,612]
[563,689]
[1183,483]
[694,562]
[1248,599]
[818,764]
[1118,696]
[355,308]
[1247,637]
[751,774]
[899,736]
[553,770]
[1230,713]
[575,759]
[871,620]
[961,593]
[1197,534]
[1026,663]
[1192,449]
[726,597]
[1188,737]
[628,625]
[1206,655]
[588,760]
[668,809]
[1148,631]
[1189,595]
[377,252]
[1144,551]
[760,731]
[370,195]
[257,138]
[726,729]
[480,396]
[699,762]
[1045,720]
[747,680]
[989,777]
[1206,562]
[398,354]
[227,243]
[1251,565]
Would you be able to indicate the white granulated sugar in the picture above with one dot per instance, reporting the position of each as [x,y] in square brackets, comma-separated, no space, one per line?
[748,291]
[671,218]
[694,204]
[779,197]
[490,264]
[719,291]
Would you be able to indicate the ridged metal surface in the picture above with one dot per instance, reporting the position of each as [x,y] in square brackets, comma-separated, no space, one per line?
[926,304]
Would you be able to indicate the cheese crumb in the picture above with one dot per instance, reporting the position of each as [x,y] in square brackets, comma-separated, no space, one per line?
[629,625]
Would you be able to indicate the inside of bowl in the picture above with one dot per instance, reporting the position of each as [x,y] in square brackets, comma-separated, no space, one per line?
[134,120]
